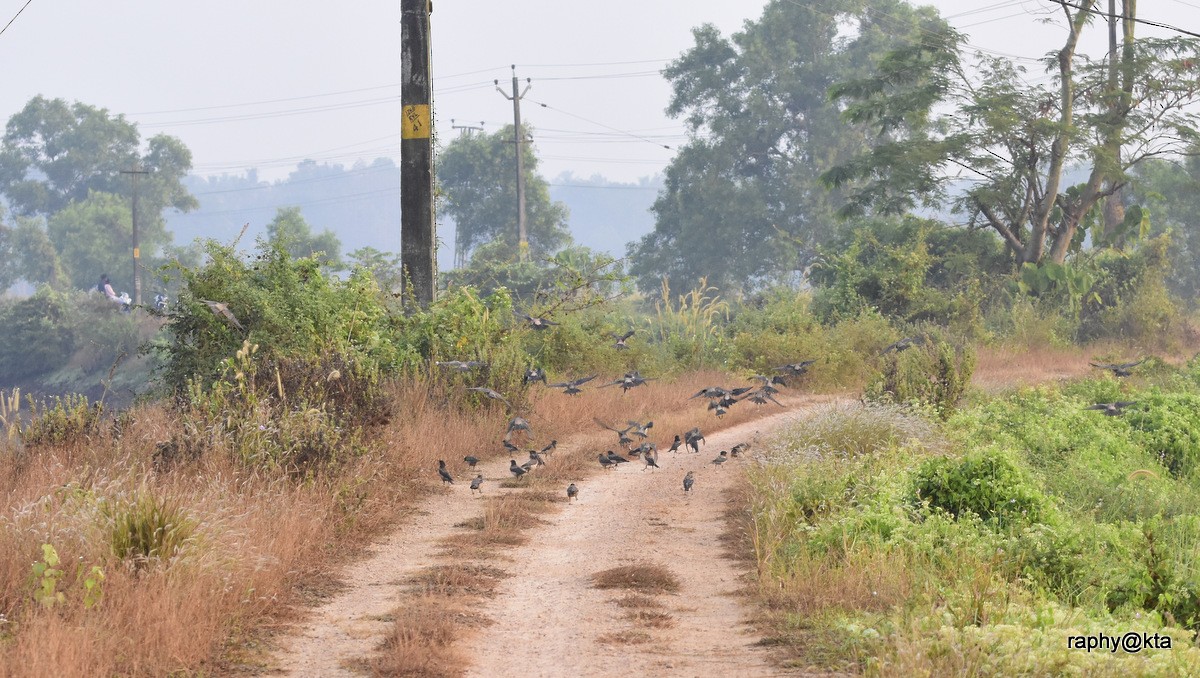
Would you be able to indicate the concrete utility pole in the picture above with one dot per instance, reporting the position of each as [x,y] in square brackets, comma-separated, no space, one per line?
[416,152]
[134,173]
[522,233]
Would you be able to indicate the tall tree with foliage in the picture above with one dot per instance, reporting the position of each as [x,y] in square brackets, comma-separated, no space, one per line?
[1013,142]
[54,153]
[477,177]
[742,201]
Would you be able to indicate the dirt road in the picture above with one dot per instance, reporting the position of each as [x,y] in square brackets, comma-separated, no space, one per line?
[548,618]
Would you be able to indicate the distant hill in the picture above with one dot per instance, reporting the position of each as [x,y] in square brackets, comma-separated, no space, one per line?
[361,205]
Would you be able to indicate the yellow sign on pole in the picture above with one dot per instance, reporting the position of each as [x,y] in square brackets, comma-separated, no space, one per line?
[137,253]
[416,123]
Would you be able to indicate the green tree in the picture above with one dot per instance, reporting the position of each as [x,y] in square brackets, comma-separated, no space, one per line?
[95,236]
[290,229]
[54,153]
[1012,142]
[478,181]
[762,130]
[1170,193]
[384,267]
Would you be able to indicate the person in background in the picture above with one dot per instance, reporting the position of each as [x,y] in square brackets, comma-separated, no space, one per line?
[106,287]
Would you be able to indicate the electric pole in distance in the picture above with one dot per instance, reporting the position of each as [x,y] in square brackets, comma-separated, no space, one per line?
[134,173]
[416,152]
[522,233]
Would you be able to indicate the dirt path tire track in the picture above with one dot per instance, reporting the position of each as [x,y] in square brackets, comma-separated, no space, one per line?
[548,617]
[350,626]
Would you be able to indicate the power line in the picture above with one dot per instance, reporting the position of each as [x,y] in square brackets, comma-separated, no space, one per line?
[621,131]
[1156,24]
[10,21]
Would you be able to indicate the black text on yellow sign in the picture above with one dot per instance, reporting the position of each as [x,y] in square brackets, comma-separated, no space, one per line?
[415,122]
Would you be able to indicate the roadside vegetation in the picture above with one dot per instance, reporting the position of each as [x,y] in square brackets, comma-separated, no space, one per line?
[891,542]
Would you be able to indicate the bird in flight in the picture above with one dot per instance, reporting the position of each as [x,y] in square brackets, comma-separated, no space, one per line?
[572,387]
[222,310]
[1120,369]
[537,323]
[1112,409]
[460,365]
[491,394]
[534,374]
[621,339]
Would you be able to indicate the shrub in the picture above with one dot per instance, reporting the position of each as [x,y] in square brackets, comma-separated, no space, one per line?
[72,419]
[988,484]
[144,528]
[932,373]
[1168,425]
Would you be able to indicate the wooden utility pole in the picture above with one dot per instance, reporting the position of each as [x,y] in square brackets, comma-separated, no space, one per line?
[417,259]
[522,233]
[134,173]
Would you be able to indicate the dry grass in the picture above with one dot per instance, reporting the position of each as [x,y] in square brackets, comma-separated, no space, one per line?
[626,638]
[423,639]
[635,600]
[644,577]
[459,579]
[654,619]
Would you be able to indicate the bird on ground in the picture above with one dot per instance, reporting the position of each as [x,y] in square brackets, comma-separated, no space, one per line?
[222,310]
[1112,409]
[739,449]
[795,369]
[491,394]
[693,438]
[622,434]
[477,483]
[529,465]
[630,380]
[534,374]
[460,365]
[549,449]
[903,345]
[688,481]
[537,323]
[621,339]
[605,461]
[471,461]
[675,444]
[572,387]
[509,446]
[640,430]
[572,492]
[721,458]
[446,477]
[1121,369]
[514,469]
[536,458]
[651,459]
[616,458]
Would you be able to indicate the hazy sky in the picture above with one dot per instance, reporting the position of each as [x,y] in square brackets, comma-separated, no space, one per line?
[264,84]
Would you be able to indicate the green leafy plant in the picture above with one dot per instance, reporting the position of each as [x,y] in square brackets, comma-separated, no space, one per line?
[47,576]
[987,483]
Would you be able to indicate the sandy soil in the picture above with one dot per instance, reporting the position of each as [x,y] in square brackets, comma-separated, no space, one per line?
[548,617]
[550,620]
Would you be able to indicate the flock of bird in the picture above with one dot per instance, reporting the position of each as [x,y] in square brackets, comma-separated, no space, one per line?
[634,438]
